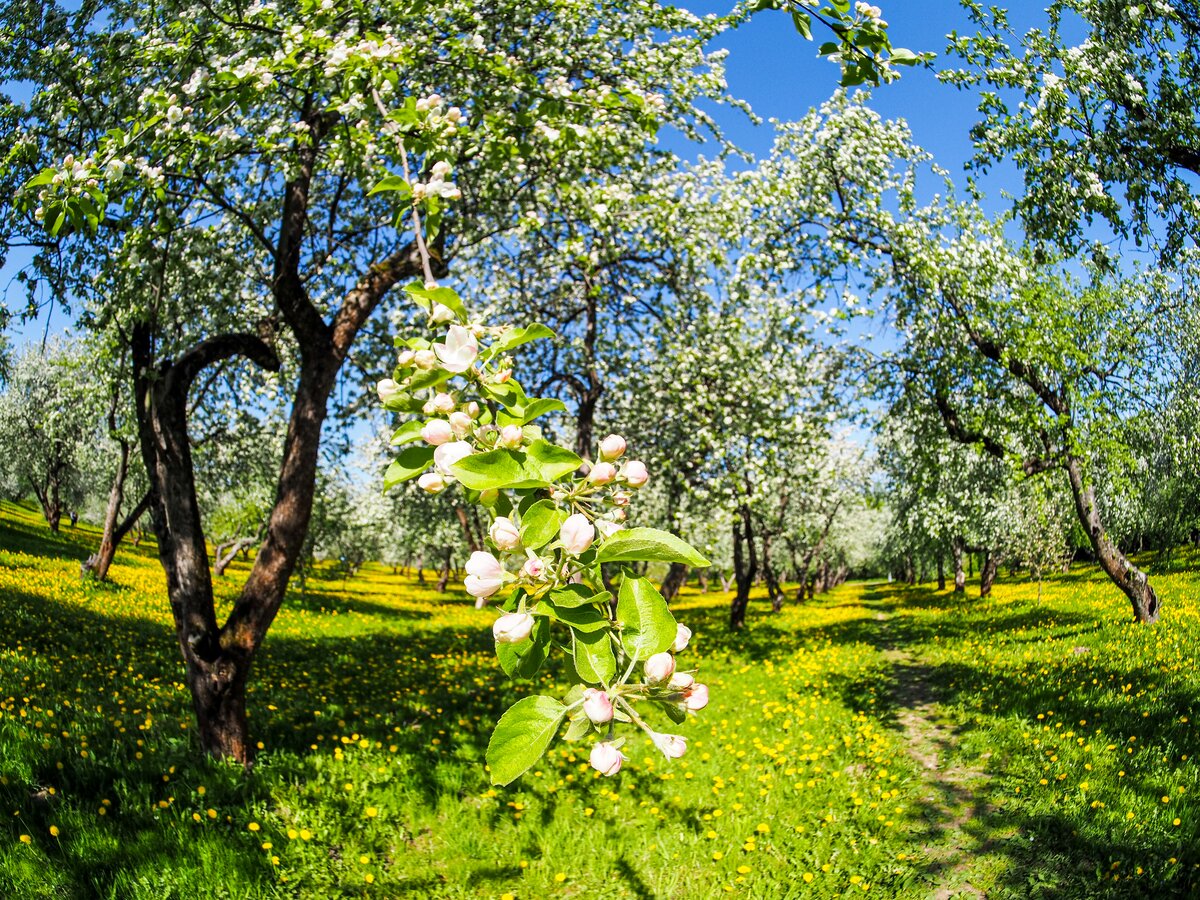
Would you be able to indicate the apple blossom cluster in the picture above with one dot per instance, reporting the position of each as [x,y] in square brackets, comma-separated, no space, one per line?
[556,522]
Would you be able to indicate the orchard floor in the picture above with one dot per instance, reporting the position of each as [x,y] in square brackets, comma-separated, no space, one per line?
[882,740]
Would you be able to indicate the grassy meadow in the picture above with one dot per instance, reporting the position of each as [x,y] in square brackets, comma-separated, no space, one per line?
[882,740]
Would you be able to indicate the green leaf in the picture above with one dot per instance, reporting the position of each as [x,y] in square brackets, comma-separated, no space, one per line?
[516,338]
[579,728]
[537,466]
[577,595]
[594,659]
[409,431]
[553,461]
[540,524]
[647,626]
[803,25]
[392,183]
[431,378]
[494,469]
[518,414]
[903,57]
[426,297]
[525,658]
[540,407]
[408,465]
[522,736]
[583,618]
[648,545]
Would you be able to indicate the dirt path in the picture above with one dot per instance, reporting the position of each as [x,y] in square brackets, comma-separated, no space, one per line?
[956,839]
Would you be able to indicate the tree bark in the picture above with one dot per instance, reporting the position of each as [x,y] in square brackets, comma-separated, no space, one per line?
[745,567]
[941,571]
[676,578]
[227,552]
[99,562]
[1124,574]
[987,572]
[960,578]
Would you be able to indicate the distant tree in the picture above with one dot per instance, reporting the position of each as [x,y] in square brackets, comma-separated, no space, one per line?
[47,417]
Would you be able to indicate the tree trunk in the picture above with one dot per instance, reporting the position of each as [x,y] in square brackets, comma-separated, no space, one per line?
[702,579]
[1124,574]
[474,540]
[941,571]
[50,500]
[444,575]
[98,563]
[987,572]
[588,389]
[725,582]
[217,659]
[227,552]
[960,578]
[745,567]
[676,578]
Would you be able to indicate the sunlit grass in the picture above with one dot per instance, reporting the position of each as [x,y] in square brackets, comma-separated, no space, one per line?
[373,703]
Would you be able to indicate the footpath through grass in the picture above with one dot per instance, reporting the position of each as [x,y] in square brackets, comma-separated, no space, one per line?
[888,741]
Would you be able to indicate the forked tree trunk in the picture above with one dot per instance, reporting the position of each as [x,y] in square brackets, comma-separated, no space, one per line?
[1125,575]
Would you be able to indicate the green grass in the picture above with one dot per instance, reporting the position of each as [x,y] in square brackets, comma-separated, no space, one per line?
[374,703]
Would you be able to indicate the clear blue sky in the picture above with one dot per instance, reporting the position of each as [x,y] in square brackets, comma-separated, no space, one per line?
[780,75]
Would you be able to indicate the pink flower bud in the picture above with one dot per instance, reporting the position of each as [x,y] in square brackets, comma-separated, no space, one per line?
[683,634]
[406,358]
[672,745]
[441,314]
[635,473]
[612,447]
[597,706]
[425,359]
[437,432]
[502,376]
[577,534]
[448,454]
[512,436]
[535,566]
[485,575]
[504,533]
[512,628]
[473,410]
[432,482]
[461,423]
[659,667]
[606,759]
[697,698]
[602,473]
[620,498]
[681,681]
[443,402]
[387,389]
